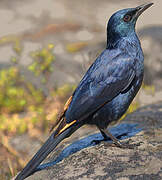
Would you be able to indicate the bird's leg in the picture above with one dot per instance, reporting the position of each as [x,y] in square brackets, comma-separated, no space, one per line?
[109,135]
[105,138]
[116,141]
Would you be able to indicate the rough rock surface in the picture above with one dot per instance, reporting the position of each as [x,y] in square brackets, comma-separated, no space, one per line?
[102,161]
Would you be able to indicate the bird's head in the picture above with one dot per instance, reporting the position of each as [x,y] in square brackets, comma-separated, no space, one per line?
[122,23]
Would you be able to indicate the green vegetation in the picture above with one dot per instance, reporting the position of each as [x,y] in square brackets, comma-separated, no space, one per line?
[15,93]
[43,60]
[22,104]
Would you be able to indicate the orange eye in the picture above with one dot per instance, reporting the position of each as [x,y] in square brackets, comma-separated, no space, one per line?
[127,18]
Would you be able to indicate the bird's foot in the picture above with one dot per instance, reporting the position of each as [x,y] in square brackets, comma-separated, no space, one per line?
[118,144]
[127,145]
[105,141]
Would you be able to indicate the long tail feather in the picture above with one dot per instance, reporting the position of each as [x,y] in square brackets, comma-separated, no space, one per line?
[44,151]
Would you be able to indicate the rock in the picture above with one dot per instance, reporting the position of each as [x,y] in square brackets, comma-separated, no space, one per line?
[102,161]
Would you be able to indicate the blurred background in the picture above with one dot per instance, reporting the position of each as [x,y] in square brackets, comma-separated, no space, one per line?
[45,48]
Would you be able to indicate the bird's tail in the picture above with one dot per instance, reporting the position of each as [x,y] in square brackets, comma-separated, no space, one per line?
[47,148]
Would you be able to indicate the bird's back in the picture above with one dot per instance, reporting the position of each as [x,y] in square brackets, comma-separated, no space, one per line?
[125,55]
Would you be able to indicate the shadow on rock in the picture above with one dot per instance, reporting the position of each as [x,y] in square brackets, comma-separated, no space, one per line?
[122,131]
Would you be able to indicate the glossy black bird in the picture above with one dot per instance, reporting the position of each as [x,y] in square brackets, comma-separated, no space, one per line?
[106,90]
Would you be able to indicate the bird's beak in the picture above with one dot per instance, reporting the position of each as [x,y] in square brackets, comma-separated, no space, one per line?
[142,8]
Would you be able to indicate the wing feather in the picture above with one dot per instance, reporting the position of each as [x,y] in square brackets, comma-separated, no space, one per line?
[102,82]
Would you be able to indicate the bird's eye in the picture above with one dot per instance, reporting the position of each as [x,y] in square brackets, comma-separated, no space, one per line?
[127,18]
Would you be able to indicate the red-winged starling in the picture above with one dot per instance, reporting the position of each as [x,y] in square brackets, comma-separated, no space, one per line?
[106,90]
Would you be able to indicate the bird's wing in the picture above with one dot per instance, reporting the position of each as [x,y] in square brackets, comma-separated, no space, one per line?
[100,85]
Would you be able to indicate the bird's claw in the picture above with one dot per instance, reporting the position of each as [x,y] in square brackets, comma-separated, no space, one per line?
[127,145]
